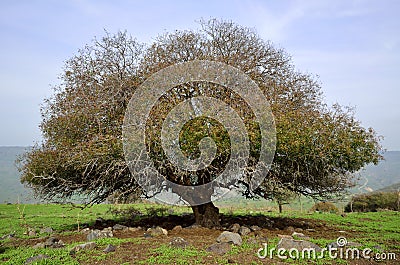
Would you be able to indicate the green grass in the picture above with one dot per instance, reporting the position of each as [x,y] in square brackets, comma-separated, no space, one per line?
[165,254]
[368,229]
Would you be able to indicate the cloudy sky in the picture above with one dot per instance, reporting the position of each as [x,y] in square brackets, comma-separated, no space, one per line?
[353,46]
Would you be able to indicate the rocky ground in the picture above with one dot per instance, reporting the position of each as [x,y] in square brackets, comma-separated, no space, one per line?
[175,240]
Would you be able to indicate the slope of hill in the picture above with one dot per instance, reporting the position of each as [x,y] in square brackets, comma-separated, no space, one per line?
[386,173]
[11,190]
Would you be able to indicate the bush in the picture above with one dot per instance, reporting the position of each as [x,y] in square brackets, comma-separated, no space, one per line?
[375,201]
[325,207]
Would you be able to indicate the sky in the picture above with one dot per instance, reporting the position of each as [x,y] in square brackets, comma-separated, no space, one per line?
[353,46]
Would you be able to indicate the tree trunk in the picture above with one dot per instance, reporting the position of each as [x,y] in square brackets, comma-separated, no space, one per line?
[280,207]
[206,215]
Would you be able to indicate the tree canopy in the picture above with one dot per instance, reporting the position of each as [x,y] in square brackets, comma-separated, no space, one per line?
[318,147]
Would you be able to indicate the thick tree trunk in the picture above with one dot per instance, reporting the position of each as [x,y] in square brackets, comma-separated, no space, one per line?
[206,215]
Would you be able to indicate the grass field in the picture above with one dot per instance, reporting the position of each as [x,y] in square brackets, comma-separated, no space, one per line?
[379,231]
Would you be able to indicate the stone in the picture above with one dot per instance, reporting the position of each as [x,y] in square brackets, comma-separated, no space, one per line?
[177,228]
[9,236]
[219,248]
[36,258]
[95,234]
[31,233]
[289,229]
[53,242]
[46,230]
[287,243]
[178,242]
[255,228]
[134,229]
[39,245]
[300,236]
[285,236]
[230,237]
[235,228]
[119,227]
[243,231]
[257,240]
[110,248]
[85,246]
[311,230]
[158,231]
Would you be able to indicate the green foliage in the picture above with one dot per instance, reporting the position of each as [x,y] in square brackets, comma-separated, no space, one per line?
[375,201]
[325,207]
[318,146]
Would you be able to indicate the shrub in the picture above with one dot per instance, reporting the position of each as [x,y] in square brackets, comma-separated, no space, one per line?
[372,202]
[325,207]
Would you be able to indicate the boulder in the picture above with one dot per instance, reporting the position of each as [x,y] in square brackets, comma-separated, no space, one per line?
[53,242]
[85,246]
[243,230]
[234,228]
[178,242]
[119,227]
[36,258]
[157,231]
[230,237]
[219,248]
[46,230]
[288,243]
[110,248]
[95,234]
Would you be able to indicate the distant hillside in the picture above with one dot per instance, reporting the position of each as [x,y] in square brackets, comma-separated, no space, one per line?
[10,187]
[394,187]
[385,175]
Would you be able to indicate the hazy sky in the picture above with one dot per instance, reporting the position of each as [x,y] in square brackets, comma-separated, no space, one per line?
[353,46]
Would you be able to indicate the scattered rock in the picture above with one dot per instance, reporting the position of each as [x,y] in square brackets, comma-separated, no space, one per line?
[311,230]
[158,231]
[342,232]
[287,243]
[36,258]
[177,228]
[95,234]
[255,228]
[110,248]
[300,236]
[234,228]
[85,230]
[85,246]
[9,236]
[289,229]
[53,242]
[257,239]
[244,230]
[31,232]
[219,248]
[134,229]
[119,227]
[230,237]
[179,242]
[38,245]
[46,230]
[193,226]
[147,235]
[298,229]
[285,236]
